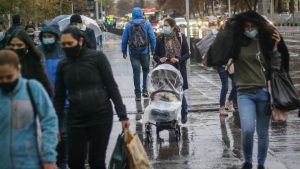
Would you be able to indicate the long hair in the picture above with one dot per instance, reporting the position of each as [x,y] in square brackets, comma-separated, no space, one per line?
[32,63]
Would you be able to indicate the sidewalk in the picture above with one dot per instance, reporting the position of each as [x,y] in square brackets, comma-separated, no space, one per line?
[208,141]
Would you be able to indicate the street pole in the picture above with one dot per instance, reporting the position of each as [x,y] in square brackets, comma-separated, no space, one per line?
[187,4]
[229,8]
[60,6]
[97,9]
[101,6]
[272,8]
[72,7]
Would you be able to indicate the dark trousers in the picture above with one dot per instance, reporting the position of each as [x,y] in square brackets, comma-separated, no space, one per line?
[62,159]
[224,79]
[138,61]
[92,140]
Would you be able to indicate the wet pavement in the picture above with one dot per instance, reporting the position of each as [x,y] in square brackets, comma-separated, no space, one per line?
[207,141]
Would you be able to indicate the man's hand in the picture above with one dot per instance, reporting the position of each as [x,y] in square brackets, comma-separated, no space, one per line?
[48,165]
[174,60]
[276,37]
[125,124]
[163,60]
[124,56]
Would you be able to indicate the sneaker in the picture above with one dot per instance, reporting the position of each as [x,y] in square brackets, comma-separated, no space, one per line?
[184,119]
[260,167]
[247,165]
[222,111]
[138,97]
[145,94]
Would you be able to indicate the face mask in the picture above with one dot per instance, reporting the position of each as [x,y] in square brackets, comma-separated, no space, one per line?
[72,52]
[167,30]
[21,52]
[8,87]
[1,36]
[251,34]
[48,41]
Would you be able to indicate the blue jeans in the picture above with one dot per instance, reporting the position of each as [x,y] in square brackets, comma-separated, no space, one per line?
[252,109]
[184,106]
[224,79]
[136,62]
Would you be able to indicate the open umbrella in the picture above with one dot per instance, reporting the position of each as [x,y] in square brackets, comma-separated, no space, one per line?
[56,20]
[89,22]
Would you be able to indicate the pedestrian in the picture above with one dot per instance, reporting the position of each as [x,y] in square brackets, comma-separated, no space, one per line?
[86,78]
[257,48]
[224,74]
[172,48]
[137,35]
[30,57]
[89,33]
[30,29]
[53,53]
[2,36]
[24,119]
[16,25]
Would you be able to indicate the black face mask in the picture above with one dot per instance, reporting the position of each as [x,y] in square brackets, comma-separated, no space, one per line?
[21,52]
[8,87]
[72,52]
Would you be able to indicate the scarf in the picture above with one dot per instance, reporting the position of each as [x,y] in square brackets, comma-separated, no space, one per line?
[172,46]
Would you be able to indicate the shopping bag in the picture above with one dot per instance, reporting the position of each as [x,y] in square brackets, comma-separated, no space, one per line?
[284,93]
[136,154]
[118,159]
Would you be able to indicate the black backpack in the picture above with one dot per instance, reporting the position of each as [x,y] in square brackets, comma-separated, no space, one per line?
[138,38]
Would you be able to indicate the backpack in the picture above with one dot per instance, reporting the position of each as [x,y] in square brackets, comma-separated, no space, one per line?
[138,38]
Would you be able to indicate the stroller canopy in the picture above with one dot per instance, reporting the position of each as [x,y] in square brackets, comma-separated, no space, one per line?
[165,77]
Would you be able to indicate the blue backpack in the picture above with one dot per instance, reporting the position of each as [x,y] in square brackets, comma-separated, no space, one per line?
[138,38]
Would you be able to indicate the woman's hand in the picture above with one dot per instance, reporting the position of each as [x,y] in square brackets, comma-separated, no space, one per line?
[174,60]
[48,165]
[125,124]
[163,59]
[277,38]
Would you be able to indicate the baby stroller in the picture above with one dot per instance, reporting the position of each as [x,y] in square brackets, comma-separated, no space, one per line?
[165,88]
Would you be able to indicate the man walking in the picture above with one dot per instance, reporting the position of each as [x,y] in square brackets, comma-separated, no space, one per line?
[137,35]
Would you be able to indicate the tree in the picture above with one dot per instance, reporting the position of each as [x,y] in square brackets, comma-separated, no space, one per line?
[124,7]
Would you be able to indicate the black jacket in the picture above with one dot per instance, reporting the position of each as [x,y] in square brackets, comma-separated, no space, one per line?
[90,38]
[185,55]
[89,84]
[229,41]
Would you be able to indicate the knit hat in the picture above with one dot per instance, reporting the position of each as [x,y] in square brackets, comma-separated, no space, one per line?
[76,18]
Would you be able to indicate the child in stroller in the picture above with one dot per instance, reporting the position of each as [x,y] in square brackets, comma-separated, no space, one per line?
[165,87]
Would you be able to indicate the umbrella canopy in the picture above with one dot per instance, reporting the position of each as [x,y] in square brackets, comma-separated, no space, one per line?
[56,20]
[89,22]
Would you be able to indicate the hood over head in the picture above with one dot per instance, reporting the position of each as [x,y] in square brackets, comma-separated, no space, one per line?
[50,29]
[137,13]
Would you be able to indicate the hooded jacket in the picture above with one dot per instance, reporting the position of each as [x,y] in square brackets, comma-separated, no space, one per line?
[53,53]
[19,142]
[137,15]
[229,41]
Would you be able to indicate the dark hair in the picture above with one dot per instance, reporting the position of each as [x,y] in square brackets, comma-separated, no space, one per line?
[32,66]
[75,32]
[9,57]
[76,18]
[16,19]
[29,26]
[32,49]
[172,23]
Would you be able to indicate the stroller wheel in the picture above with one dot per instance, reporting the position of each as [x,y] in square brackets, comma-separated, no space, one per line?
[148,132]
[177,132]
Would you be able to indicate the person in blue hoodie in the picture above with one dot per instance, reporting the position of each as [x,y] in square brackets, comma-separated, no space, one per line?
[138,39]
[53,54]
[23,119]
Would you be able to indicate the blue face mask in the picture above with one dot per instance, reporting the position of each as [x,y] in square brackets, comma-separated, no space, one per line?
[167,30]
[48,41]
[251,34]
[1,36]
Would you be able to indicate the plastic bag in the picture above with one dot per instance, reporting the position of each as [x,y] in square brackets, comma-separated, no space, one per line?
[284,94]
[119,159]
[136,154]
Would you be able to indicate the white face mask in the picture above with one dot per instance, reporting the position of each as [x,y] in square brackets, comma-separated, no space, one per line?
[2,34]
